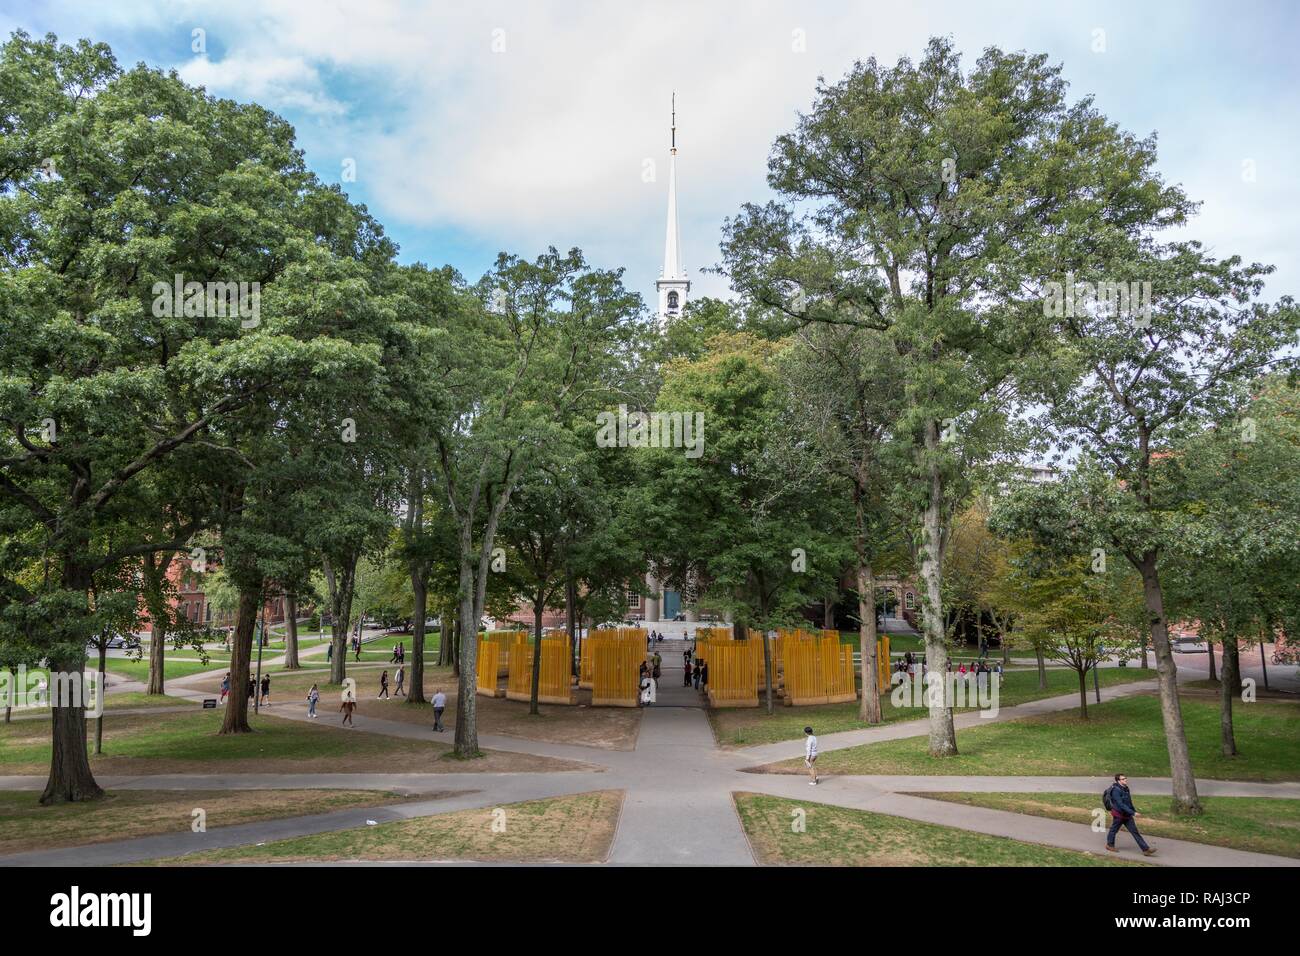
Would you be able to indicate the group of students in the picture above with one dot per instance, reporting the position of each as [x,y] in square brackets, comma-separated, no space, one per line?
[399,654]
[908,666]
[399,689]
[696,673]
[349,704]
[252,688]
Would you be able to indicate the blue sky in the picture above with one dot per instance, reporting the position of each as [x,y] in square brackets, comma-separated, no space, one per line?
[520,125]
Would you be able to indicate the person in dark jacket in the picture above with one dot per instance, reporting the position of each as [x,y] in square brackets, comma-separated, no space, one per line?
[1122,814]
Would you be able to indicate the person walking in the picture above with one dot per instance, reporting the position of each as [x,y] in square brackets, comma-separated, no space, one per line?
[225,687]
[383,686]
[266,689]
[356,646]
[401,678]
[348,706]
[645,690]
[329,652]
[704,676]
[686,672]
[439,705]
[695,673]
[313,695]
[810,755]
[1119,802]
[252,688]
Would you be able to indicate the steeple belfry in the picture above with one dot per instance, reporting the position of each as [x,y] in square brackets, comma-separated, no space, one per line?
[673,285]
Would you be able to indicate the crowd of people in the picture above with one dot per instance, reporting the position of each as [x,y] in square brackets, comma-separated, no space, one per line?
[974,672]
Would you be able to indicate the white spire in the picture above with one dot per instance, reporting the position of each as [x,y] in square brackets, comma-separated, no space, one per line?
[672,241]
[673,286]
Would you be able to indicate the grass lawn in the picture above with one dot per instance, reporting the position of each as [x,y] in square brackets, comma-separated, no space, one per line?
[610,728]
[1122,734]
[189,743]
[745,727]
[125,701]
[139,670]
[125,814]
[388,642]
[1259,824]
[137,699]
[837,836]
[216,654]
[572,829]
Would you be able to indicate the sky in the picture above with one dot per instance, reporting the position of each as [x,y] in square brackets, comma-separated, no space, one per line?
[474,129]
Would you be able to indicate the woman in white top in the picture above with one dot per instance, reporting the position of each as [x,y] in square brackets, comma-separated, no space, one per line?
[810,755]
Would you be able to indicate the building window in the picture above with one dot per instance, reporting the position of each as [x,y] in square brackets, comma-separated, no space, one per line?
[911,601]
[633,599]
[672,300]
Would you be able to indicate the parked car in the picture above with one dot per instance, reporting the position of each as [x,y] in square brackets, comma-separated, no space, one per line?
[1189,645]
[122,641]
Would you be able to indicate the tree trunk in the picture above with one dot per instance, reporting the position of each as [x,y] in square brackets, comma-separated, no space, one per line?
[291,633]
[456,631]
[537,656]
[570,607]
[466,716]
[828,613]
[342,585]
[767,669]
[1083,692]
[869,709]
[943,736]
[769,677]
[70,777]
[1227,679]
[1185,799]
[1233,677]
[1209,647]
[419,587]
[1146,661]
[157,646]
[446,635]
[1042,668]
[235,720]
[99,691]
[157,607]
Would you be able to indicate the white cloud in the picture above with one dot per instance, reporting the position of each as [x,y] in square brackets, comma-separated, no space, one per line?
[543,143]
[288,82]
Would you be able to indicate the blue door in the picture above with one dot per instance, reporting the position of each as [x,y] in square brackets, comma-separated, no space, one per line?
[672,604]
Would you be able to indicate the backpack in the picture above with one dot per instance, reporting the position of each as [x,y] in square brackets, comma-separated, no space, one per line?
[1105,799]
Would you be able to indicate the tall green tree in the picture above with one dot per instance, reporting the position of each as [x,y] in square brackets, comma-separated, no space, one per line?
[508,372]
[914,200]
[841,402]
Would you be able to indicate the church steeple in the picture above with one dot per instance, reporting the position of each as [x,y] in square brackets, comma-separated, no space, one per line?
[673,285]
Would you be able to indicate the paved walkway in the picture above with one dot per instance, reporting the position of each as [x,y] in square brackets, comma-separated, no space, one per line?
[677,786]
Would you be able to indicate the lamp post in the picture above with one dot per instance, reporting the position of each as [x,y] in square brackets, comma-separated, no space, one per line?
[257,683]
[1096,684]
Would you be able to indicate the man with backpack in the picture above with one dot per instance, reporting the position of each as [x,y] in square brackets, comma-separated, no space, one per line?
[1119,802]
